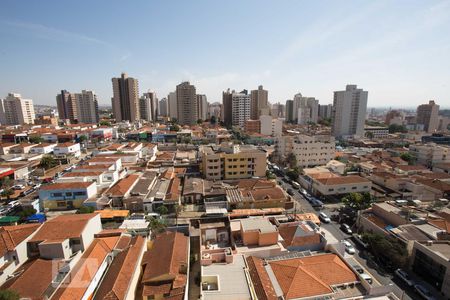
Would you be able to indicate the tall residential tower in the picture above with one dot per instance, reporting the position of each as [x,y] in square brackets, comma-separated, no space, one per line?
[125,100]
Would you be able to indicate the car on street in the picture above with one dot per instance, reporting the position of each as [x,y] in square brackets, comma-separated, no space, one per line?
[345,228]
[404,277]
[359,241]
[424,292]
[295,185]
[349,247]
[324,218]
[367,278]
[303,192]
[290,192]
[358,269]
[18,187]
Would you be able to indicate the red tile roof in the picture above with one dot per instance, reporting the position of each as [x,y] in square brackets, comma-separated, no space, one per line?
[11,236]
[123,186]
[343,180]
[66,185]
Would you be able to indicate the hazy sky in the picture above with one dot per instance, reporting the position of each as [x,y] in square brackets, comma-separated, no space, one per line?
[397,50]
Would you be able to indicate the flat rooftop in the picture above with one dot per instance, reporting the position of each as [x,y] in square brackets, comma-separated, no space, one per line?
[441,248]
[262,225]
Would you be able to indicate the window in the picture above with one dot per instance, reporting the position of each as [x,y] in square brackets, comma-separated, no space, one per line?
[56,194]
[61,204]
[353,187]
[80,193]
[69,194]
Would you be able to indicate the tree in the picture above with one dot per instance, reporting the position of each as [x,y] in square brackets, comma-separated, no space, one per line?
[178,209]
[369,134]
[394,128]
[85,210]
[35,139]
[27,212]
[291,160]
[82,138]
[389,251]
[199,121]
[6,182]
[293,173]
[270,175]
[48,162]
[175,128]
[157,226]
[7,193]
[162,210]
[325,122]
[358,201]
[213,120]
[9,295]
[105,123]
[408,158]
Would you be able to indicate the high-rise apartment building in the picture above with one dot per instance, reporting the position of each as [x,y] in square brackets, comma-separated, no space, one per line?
[148,106]
[325,111]
[67,106]
[78,107]
[16,111]
[305,109]
[259,103]
[87,107]
[187,107]
[289,111]
[241,109]
[172,105]
[227,107]
[349,112]
[163,107]
[125,100]
[215,109]
[277,110]
[427,115]
[202,108]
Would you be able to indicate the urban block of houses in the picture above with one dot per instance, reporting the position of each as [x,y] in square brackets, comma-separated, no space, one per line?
[66,195]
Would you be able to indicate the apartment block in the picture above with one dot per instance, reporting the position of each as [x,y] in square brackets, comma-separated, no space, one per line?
[125,100]
[427,115]
[259,103]
[430,154]
[270,126]
[240,109]
[232,162]
[187,107]
[14,110]
[202,107]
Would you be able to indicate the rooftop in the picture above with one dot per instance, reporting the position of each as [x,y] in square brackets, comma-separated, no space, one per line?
[11,236]
[66,185]
[262,225]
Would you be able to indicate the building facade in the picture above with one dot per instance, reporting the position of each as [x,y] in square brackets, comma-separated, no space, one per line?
[163,107]
[259,103]
[172,105]
[241,109]
[125,100]
[227,107]
[187,108]
[16,111]
[427,115]
[202,107]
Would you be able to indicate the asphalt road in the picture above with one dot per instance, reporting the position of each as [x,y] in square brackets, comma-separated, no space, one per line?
[399,288]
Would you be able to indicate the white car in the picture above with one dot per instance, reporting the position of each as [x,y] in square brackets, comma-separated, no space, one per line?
[404,277]
[324,218]
[18,187]
[348,247]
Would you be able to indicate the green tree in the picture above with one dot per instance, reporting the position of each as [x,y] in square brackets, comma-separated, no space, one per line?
[35,139]
[6,182]
[105,123]
[369,135]
[213,120]
[162,210]
[82,138]
[394,128]
[9,295]
[358,201]
[325,122]
[408,158]
[175,128]
[157,226]
[48,162]
[389,251]
[270,175]
[7,193]
[291,160]
[178,209]
[199,121]
[85,210]
[294,173]
[27,212]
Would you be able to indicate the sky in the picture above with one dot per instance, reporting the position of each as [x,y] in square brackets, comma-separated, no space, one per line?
[397,50]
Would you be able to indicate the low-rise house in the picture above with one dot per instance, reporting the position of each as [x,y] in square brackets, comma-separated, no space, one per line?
[122,189]
[13,247]
[66,195]
[258,232]
[64,150]
[302,236]
[338,185]
[23,148]
[5,148]
[44,148]
[116,161]
[165,267]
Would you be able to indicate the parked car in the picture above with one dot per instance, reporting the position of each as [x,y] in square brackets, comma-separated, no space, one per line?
[290,192]
[316,203]
[404,277]
[18,187]
[324,218]
[359,242]
[424,292]
[367,278]
[345,228]
[295,185]
[304,192]
[349,247]
[358,269]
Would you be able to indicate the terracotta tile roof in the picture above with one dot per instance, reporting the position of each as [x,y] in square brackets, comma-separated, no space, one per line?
[35,279]
[83,174]
[66,185]
[311,276]
[83,273]
[174,190]
[123,186]
[62,227]
[164,261]
[117,281]
[113,213]
[343,180]
[61,145]
[435,184]
[260,194]
[261,281]
[102,159]
[170,156]
[287,232]
[441,223]
[411,168]
[255,183]
[11,236]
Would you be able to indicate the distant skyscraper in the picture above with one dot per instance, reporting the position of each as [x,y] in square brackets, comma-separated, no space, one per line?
[187,107]
[289,111]
[125,100]
[241,107]
[277,110]
[67,106]
[427,115]
[202,107]
[172,103]
[227,107]
[305,109]
[215,109]
[259,103]
[349,112]
[163,107]
[325,111]
[148,106]
[16,111]
[87,107]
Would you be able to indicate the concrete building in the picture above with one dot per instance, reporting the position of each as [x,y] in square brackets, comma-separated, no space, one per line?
[270,126]
[376,132]
[349,112]
[87,107]
[163,107]
[232,162]
[187,107]
[259,103]
[125,100]
[215,109]
[308,150]
[202,107]
[325,111]
[395,117]
[427,115]
[252,126]
[430,154]
[67,195]
[289,111]
[305,109]
[241,109]
[172,105]
[227,107]
[67,106]
[148,106]
[16,111]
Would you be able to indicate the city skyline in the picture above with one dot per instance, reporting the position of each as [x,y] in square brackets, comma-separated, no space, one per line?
[399,58]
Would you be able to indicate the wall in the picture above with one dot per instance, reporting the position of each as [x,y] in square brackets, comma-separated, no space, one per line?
[55,250]
[92,227]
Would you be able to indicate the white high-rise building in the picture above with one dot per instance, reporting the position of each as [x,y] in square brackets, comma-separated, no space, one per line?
[202,105]
[172,105]
[16,111]
[240,111]
[145,108]
[305,109]
[163,107]
[87,107]
[349,112]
